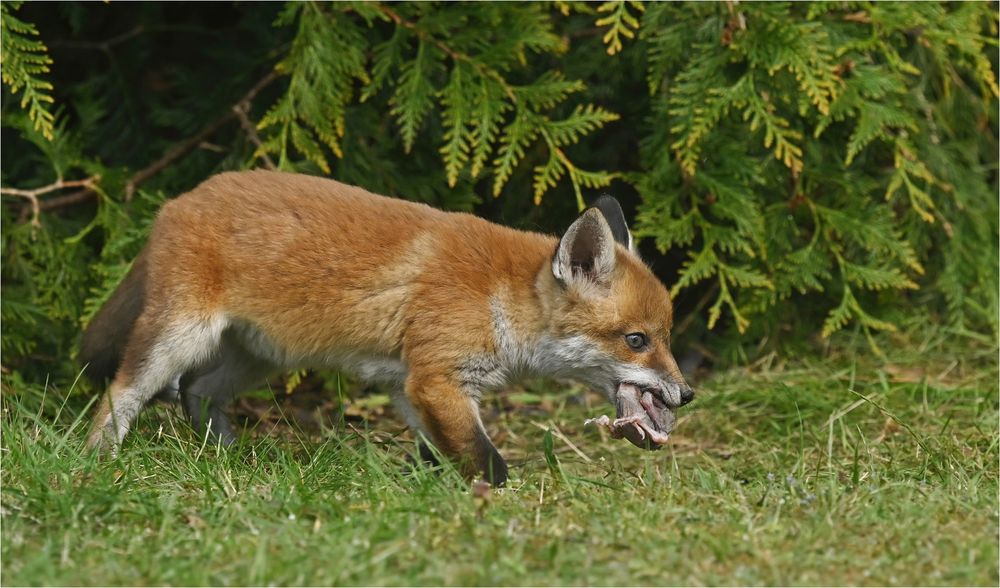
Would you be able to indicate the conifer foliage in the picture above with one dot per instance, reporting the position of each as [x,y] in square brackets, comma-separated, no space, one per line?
[827,166]
[817,148]
[456,60]
[23,61]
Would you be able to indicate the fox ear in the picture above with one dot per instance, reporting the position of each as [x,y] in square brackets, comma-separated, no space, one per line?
[586,252]
[612,212]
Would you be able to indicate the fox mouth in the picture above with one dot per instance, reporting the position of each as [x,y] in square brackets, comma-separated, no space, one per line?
[642,417]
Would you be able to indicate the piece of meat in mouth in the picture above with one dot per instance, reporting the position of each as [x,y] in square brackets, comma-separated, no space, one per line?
[642,417]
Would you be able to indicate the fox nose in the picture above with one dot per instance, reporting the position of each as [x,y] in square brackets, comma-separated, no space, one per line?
[687,395]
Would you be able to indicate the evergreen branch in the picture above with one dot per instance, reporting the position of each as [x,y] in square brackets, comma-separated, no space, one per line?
[849,308]
[872,230]
[323,68]
[715,312]
[472,116]
[456,119]
[699,266]
[621,21]
[905,164]
[385,57]
[691,315]
[699,101]
[414,95]
[803,269]
[735,202]
[876,278]
[22,61]
[490,111]
[548,90]
[547,176]
[577,177]
[516,136]
[876,121]
[777,131]
[455,55]
[841,315]
[583,120]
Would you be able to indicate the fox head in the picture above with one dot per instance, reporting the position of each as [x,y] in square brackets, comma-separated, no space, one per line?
[614,318]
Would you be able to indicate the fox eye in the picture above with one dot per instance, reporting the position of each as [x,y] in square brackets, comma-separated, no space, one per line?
[637,341]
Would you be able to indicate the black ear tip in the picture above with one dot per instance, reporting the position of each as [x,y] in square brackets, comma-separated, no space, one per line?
[609,207]
[612,211]
[606,200]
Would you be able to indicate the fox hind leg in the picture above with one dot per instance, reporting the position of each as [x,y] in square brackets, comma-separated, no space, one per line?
[207,393]
[157,353]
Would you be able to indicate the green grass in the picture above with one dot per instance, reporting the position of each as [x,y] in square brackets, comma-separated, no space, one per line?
[833,472]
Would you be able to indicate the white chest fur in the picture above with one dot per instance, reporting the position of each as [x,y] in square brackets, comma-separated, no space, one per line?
[520,354]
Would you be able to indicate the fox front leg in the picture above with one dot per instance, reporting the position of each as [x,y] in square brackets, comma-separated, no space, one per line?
[450,417]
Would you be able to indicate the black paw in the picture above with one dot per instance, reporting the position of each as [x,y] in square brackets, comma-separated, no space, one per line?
[426,454]
[495,470]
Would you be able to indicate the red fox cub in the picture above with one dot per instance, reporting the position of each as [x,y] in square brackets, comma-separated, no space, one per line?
[254,272]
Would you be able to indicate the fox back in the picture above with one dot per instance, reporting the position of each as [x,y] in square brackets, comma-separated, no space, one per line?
[252,272]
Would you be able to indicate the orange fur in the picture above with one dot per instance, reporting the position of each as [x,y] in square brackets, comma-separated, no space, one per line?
[304,271]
